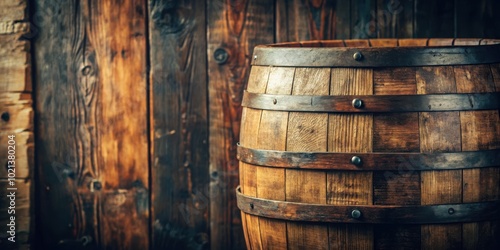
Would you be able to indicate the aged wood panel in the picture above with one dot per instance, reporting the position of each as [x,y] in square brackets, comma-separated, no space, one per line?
[307,132]
[477,18]
[179,124]
[439,133]
[434,18]
[480,131]
[16,103]
[350,133]
[273,135]
[16,128]
[298,20]
[363,19]
[235,27]
[396,133]
[92,165]
[395,18]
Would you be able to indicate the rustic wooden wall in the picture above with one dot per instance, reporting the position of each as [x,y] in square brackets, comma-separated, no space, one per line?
[137,105]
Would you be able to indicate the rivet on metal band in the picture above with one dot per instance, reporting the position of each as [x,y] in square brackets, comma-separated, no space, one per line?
[356,214]
[357,56]
[356,160]
[357,103]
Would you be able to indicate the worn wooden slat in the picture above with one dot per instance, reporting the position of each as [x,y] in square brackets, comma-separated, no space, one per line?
[235,27]
[350,133]
[383,42]
[395,18]
[363,19]
[179,120]
[305,20]
[16,103]
[413,42]
[396,133]
[312,19]
[92,74]
[439,133]
[435,18]
[273,135]
[16,128]
[441,41]
[251,118]
[480,130]
[307,132]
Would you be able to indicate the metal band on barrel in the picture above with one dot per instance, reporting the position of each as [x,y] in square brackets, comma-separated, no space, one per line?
[373,103]
[370,161]
[375,57]
[376,214]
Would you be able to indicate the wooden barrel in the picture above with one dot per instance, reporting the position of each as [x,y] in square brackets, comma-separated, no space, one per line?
[372,144]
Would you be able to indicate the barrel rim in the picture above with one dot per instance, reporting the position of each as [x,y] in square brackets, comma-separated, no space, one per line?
[270,55]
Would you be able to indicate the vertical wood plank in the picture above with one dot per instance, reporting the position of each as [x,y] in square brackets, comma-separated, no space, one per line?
[250,126]
[350,133]
[477,19]
[396,133]
[179,124]
[236,27]
[434,18]
[480,131]
[93,163]
[273,136]
[16,128]
[439,132]
[363,19]
[395,18]
[299,20]
[307,132]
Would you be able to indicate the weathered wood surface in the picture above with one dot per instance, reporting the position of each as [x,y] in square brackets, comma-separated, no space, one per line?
[179,125]
[79,122]
[396,133]
[92,139]
[16,119]
[236,27]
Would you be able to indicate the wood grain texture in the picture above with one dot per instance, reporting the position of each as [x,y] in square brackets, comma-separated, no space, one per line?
[179,119]
[435,18]
[396,133]
[92,130]
[16,120]
[307,20]
[250,124]
[273,136]
[438,133]
[350,133]
[16,103]
[307,132]
[480,131]
[395,18]
[235,26]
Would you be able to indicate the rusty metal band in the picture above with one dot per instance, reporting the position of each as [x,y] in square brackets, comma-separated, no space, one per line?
[376,214]
[373,103]
[375,57]
[370,161]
